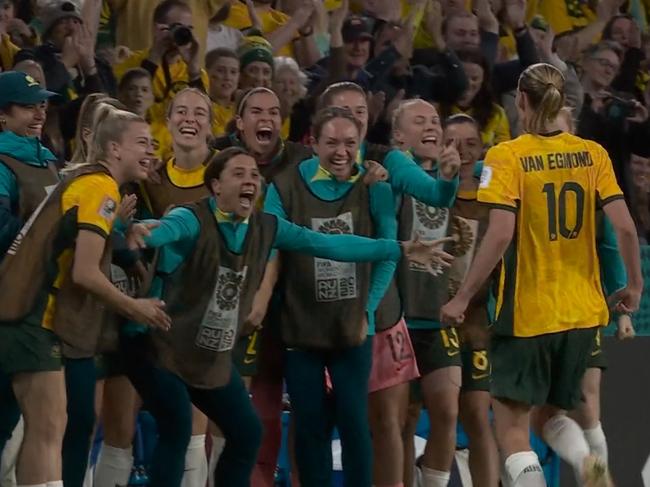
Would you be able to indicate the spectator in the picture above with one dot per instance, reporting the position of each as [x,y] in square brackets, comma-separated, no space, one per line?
[479,101]
[133,27]
[255,63]
[67,54]
[14,33]
[289,35]
[135,91]
[223,68]
[610,118]
[290,84]
[174,59]
[220,35]
[624,30]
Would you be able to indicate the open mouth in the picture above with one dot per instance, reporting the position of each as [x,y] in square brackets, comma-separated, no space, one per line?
[144,163]
[189,131]
[246,198]
[35,127]
[264,135]
[430,140]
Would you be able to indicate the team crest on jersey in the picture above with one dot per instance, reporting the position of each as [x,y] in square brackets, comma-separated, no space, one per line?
[429,216]
[108,208]
[228,288]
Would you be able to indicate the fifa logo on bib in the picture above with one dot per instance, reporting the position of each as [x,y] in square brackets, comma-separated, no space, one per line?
[334,281]
[218,329]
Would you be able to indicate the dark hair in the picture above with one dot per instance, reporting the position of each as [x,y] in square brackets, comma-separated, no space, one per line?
[613,46]
[218,163]
[483,103]
[245,96]
[607,31]
[327,97]
[216,54]
[461,118]
[131,75]
[162,10]
[328,114]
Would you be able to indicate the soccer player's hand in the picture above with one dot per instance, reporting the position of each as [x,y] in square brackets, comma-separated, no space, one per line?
[625,328]
[449,162]
[151,312]
[428,253]
[136,234]
[625,301]
[375,172]
[453,313]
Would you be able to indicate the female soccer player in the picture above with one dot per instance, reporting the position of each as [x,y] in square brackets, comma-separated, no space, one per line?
[544,188]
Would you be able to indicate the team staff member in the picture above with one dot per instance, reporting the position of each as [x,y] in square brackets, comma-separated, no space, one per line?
[27,173]
[234,252]
[417,128]
[469,221]
[47,280]
[547,185]
[326,193]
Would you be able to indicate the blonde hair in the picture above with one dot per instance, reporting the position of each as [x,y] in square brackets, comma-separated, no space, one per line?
[109,125]
[543,85]
[399,113]
[85,122]
[196,91]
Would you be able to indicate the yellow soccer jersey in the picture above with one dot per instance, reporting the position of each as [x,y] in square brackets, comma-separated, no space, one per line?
[95,198]
[185,178]
[550,276]
[271,20]
[221,117]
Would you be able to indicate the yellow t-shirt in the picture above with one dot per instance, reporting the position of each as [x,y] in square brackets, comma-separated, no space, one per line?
[8,51]
[162,93]
[497,129]
[96,198]
[134,21]
[562,15]
[550,275]
[271,20]
[185,178]
[162,139]
[221,117]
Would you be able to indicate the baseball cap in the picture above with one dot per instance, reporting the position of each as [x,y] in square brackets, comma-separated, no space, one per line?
[356,28]
[21,89]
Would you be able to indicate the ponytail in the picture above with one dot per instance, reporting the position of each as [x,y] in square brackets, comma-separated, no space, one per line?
[543,85]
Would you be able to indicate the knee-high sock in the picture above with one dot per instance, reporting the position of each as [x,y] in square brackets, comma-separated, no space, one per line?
[217,447]
[113,466]
[597,442]
[523,470]
[196,463]
[566,438]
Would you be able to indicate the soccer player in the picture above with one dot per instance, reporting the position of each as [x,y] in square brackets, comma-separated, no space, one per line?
[544,188]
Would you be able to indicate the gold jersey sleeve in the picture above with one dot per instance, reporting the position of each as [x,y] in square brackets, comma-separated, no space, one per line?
[550,274]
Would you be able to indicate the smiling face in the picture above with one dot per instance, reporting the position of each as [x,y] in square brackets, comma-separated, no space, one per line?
[25,120]
[62,29]
[238,186]
[601,67]
[224,78]
[260,122]
[357,53]
[189,120]
[355,102]
[418,129]
[336,147]
[135,152]
[467,139]
[474,73]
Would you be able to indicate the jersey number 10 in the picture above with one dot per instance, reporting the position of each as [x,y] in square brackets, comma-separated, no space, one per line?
[557,209]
